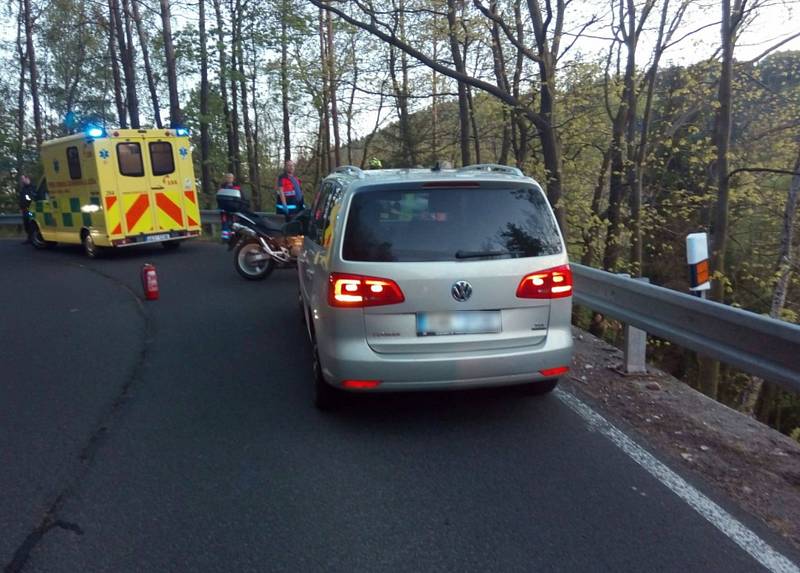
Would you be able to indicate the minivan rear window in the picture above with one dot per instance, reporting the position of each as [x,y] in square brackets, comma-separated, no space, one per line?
[389,225]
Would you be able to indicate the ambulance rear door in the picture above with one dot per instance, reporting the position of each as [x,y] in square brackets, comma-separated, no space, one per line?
[164,154]
[185,172]
[133,184]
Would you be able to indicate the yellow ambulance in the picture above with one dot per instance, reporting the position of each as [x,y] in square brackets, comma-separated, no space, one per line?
[115,188]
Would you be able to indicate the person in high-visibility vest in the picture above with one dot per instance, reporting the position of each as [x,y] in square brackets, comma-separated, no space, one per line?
[289,191]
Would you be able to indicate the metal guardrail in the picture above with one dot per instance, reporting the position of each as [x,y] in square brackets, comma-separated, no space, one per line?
[757,344]
[7,219]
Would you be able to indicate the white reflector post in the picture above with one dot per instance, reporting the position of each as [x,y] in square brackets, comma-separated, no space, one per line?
[697,257]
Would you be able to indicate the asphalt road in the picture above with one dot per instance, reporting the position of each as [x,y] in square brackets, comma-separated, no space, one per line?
[179,435]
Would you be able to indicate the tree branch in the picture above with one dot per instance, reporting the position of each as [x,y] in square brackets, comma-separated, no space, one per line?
[506,30]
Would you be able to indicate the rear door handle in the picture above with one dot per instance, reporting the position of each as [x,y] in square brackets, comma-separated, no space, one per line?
[156,188]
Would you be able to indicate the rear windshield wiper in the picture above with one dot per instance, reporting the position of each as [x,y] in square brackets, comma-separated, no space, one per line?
[481,254]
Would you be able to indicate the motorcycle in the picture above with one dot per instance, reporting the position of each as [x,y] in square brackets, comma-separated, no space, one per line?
[259,245]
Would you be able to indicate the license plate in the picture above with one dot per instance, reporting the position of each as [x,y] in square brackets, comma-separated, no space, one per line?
[154,238]
[466,322]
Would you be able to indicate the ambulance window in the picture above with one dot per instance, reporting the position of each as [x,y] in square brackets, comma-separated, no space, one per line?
[161,159]
[129,156]
[74,163]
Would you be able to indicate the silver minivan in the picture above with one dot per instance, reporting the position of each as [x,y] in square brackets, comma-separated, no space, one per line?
[421,279]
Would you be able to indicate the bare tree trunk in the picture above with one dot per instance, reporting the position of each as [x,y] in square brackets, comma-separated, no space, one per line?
[256,176]
[404,118]
[131,52]
[458,63]
[119,97]
[519,125]
[234,101]
[722,137]
[248,129]
[21,56]
[223,86]
[128,69]
[434,107]
[205,140]
[148,69]
[351,102]
[319,164]
[501,75]
[476,138]
[32,73]
[595,225]
[709,369]
[287,147]
[332,86]
[175,115]
[325,128]
[368,139]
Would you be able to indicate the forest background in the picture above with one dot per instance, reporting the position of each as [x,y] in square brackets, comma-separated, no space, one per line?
[644,120]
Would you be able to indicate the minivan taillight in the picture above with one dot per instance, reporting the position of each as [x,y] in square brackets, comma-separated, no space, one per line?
[549,283]
[356,291]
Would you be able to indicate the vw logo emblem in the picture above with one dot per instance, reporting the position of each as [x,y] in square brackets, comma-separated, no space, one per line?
[461,291]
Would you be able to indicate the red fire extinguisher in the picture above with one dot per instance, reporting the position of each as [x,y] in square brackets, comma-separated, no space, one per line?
[149,282]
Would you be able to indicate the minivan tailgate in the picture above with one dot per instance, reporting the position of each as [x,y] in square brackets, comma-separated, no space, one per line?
[431,319]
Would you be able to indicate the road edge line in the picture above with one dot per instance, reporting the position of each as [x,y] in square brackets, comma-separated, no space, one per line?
[732,528]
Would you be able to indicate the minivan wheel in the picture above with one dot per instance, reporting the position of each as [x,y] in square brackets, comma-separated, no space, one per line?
[301,307]
[325,396]
[541,387]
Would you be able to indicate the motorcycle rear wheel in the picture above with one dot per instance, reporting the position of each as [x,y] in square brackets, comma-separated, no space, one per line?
[247,267]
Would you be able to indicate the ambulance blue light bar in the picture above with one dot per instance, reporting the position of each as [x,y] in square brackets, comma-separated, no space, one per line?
[95,132]
[182,131]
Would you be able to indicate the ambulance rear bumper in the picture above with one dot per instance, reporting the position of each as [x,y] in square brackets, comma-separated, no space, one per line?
[154,238]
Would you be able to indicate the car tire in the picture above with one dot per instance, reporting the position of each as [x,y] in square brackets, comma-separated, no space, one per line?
[37,240]
[540,387]
[301,308]
[326,397]
[89,247]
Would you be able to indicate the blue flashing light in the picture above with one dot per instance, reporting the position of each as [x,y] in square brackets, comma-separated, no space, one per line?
[95,132]
[182,131]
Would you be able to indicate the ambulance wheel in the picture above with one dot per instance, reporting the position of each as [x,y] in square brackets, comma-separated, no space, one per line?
[171,245]
[252,262]
[37,240]
[89,247]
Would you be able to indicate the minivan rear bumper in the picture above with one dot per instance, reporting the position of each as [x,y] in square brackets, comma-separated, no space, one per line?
[355,360]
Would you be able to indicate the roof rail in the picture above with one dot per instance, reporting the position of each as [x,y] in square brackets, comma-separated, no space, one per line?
[492,167]
[350,170]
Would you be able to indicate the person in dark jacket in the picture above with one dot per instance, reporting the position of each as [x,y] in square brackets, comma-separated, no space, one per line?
[26,194]
[224,204]
[289,191]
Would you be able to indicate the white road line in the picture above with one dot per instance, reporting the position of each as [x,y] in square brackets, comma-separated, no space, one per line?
[759,549]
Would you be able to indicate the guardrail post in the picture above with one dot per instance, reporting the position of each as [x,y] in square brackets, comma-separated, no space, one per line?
[635,347]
